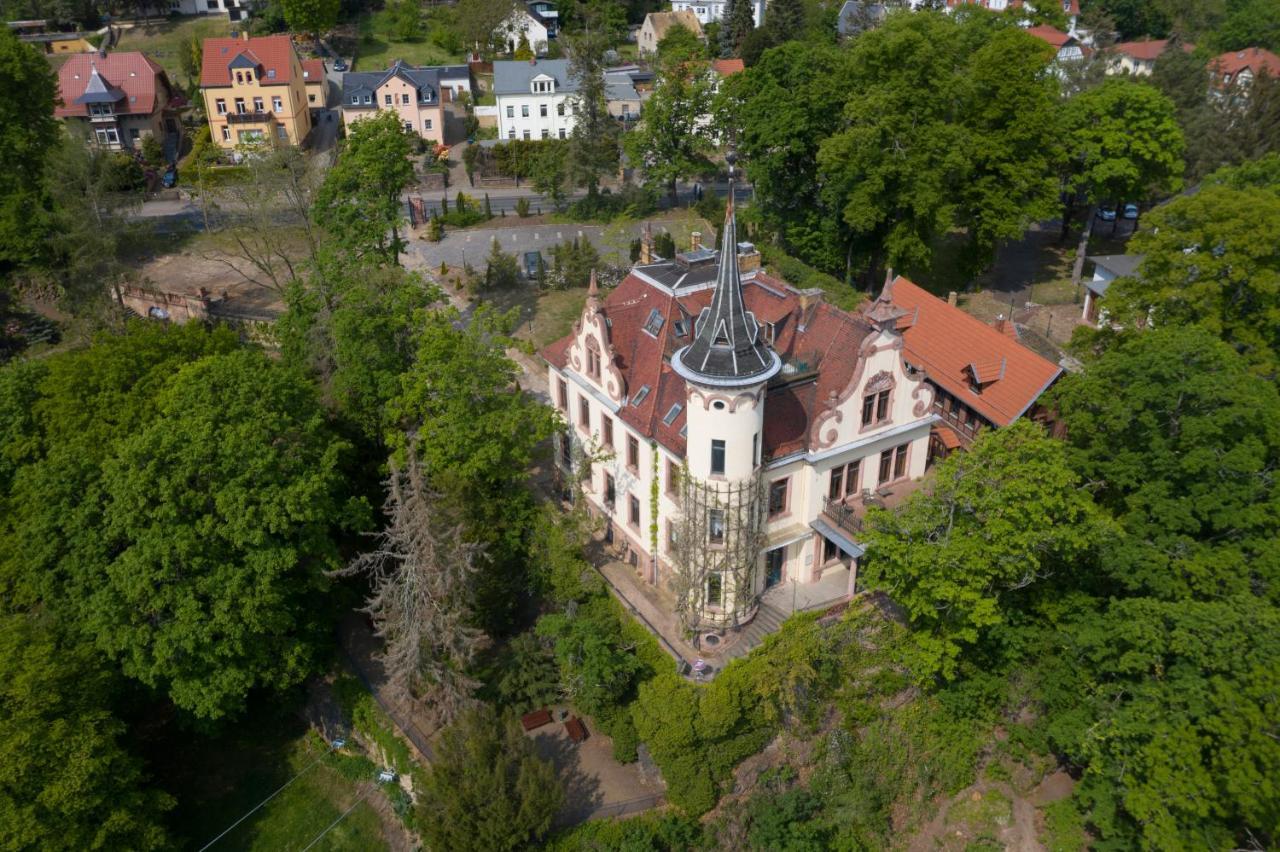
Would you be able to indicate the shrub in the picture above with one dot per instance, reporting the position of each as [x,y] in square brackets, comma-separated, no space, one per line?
[522,207]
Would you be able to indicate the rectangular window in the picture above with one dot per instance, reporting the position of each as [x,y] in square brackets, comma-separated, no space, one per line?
[886,465]
[633,511]
[830,552]
[835,488]
[715,526]
[882,406]
[715,589]
[511,112]
[564,396]
[240,106]
[560,108]
[226,134]
[404,99]
[755,448]
[368,99]
[546,134]
[610,491]
[875,408]
[673,478]
[257,105]
[524,110]
[562,136]
[511,134]
[220,105]
[408,127]
[526,135]
[386,99]
[717,457]
[426,124]
[593,363]
[282,132]
[584,413]
[542,110]
[900,462]
[778,497]
[633,453]
[277,105]
[566,450]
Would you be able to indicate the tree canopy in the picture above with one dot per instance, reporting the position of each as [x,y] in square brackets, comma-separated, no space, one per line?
[28,89]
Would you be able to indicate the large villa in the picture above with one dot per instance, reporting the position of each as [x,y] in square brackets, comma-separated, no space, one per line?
[734,429]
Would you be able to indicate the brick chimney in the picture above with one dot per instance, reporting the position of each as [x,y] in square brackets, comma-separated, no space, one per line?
[646,244]
[695,241]
[952,298]
[748,258]
[809,301]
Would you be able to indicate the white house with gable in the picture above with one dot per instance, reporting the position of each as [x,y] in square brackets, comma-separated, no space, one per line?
[714,10]
[536,99]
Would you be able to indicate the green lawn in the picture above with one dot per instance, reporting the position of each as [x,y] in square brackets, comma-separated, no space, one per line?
[217,780]
[377,49]
[163,40]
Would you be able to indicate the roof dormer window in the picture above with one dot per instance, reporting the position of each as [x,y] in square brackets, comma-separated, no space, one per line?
[543,85]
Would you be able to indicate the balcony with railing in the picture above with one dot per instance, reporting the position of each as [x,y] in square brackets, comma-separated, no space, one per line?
[250,117]
[849,512]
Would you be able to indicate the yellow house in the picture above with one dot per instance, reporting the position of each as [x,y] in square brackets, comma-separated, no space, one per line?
[254,90]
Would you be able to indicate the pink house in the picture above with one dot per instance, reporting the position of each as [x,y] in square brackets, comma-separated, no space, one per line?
[414,93]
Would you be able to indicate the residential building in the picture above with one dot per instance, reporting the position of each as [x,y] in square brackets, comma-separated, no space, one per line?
[413,93]
[620,92]
[1070,8]
[535,99]
[714,10]
[733,429]
[119,99]
[1237,69]
[657,24]
[254,91]
[982,375]
[1106,268]
[1139,57]
[455,78]
[316,83]
[1070,49]
[530,26]
[235,10]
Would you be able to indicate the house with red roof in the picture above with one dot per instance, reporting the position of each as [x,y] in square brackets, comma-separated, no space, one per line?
[1139,57]
[1237,69]
[255,90]
[1070,49]
[982,376]
[118,99]
[733,429]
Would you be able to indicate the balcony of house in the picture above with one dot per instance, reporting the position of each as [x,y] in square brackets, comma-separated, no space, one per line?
[250,117]
[848,513]
[103,118]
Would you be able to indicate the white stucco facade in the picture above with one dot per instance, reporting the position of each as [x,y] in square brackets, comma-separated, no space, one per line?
[534,100]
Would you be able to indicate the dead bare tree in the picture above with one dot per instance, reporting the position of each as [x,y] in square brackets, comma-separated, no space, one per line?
[423,574]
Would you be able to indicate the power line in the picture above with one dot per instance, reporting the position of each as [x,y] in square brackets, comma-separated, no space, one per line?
[336,745]
[338,820]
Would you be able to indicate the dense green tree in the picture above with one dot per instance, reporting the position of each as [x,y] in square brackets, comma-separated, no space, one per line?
[219,516]
[66,782]
[501,270]
[353,327]
[593,145]
[738,23]
[785,19]
[1205,119]
[673,140]
[527,675]
[995,520]
[1180,740]
[596,670]
[359,202]
[1123,143]
[478,20]
[549,172]
[1180,440]
[680,45]
[487,789]
[1211,259]
[316,17]
[28,89]
[1249,23]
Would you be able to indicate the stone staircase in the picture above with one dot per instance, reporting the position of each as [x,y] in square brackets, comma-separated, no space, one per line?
[768,620]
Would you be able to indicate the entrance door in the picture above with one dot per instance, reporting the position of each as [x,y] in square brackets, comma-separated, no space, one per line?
[773,567]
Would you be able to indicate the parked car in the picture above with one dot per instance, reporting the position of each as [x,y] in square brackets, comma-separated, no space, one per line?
[170,178]
[1107,213]
[339,64]
[1131,211]
[532,263]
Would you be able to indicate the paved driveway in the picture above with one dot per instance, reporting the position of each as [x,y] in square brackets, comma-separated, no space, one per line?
[473,244]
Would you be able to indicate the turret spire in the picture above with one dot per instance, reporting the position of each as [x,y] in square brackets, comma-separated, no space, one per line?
[727,349]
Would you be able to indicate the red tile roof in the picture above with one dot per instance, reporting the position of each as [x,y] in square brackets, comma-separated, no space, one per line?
[953,348]
[727,67]
[823,355]
[1148,49]
[1052,35]
[136,74]
[272,53]
[1255,59]
[313,70]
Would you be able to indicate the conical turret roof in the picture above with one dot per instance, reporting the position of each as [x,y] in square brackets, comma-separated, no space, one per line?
[727,349]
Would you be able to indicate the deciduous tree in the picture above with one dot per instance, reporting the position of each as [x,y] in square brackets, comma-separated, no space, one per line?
[28,130]
[593,145]
[673,139]
[311,16]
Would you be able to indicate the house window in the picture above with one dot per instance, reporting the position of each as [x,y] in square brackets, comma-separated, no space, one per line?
[562,136]
[672,414]
[844,480]
[566,450]
[564,395]
[257,105]
[715,526]
[311,98]
[220,106]
[715,589]
[900,462]
[607,427]
[546,134]
[526,136]
[511,134]
[107,136]
[673,478]
[610,491]
[277,105]
[717,457]
[368,100]
[386,99]
[778,497]
[524,110]
[584,413]
[560,108]
[240,106]
[593,363]
[673,536]
[633,511]
[239,77]
[226,134]
[830,552]
[282,132]
[633,453]
[404,99]
[408,127]
[133,134]
[426,124]
[511,112]
[542,110]
[875,408]
[886,465]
